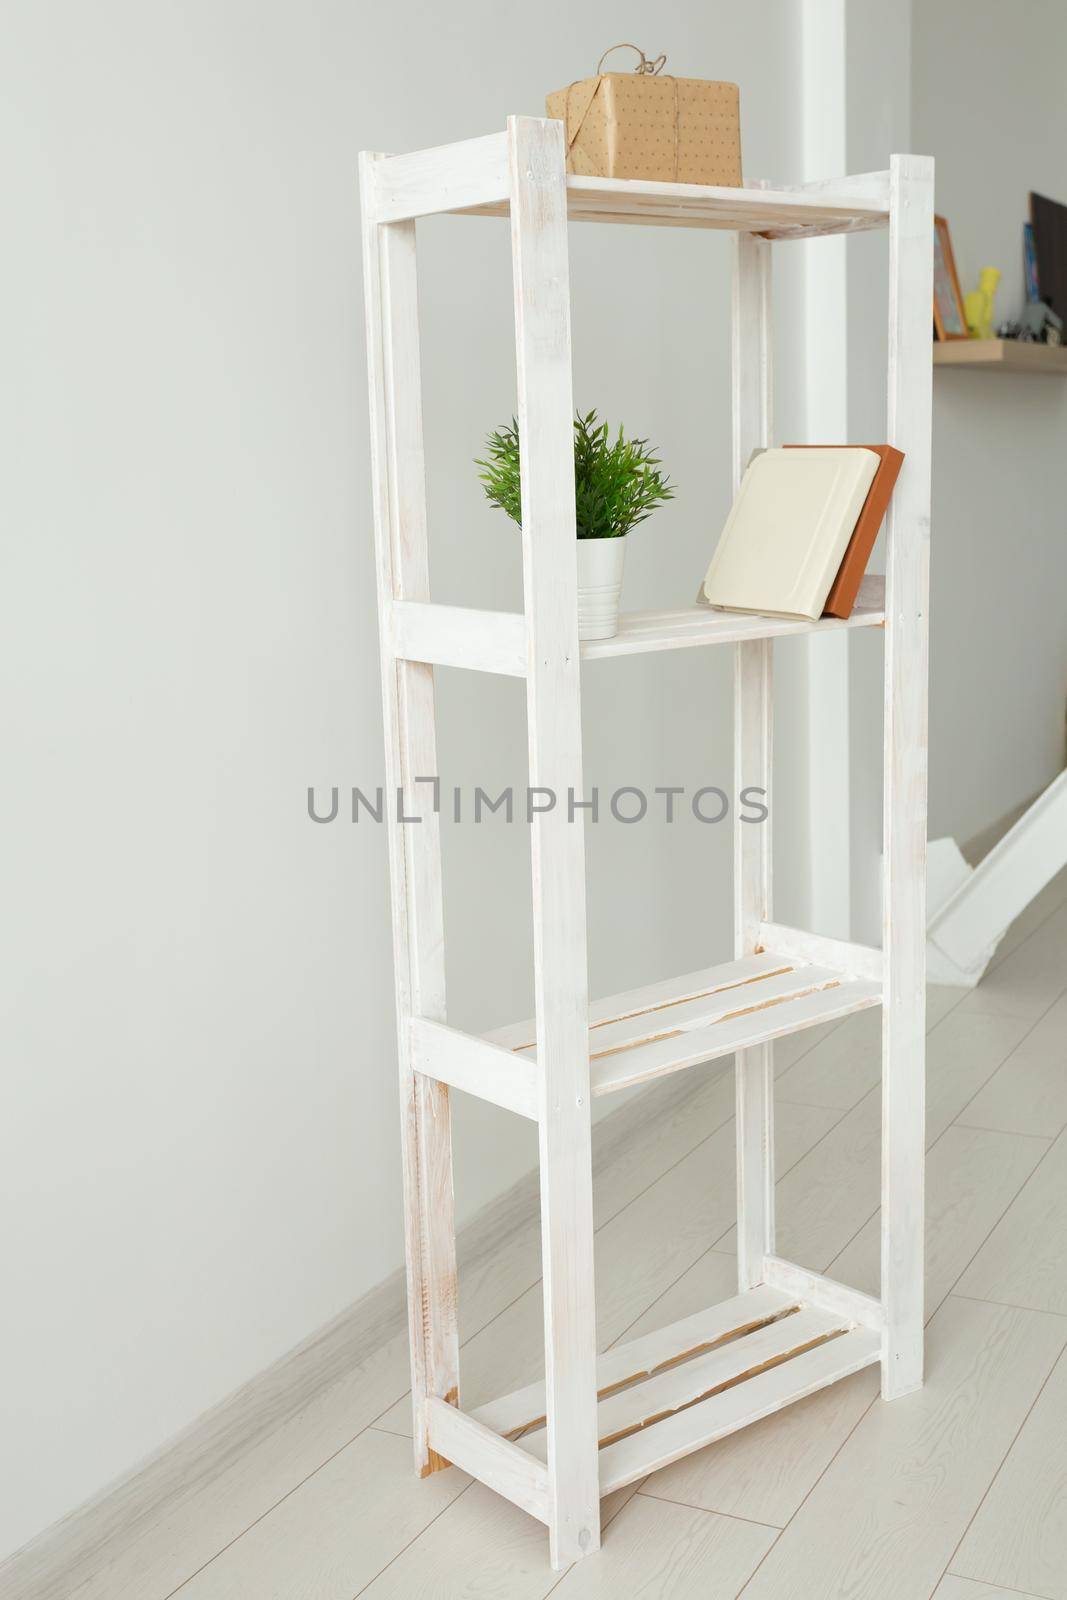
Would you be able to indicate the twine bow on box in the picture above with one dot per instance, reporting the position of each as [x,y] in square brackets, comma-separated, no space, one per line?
[576,108]
[647,68]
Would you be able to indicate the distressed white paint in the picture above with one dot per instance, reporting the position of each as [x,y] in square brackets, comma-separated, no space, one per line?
[391,297]
[553,711]
[782,213]
[455,636]
[693,626]
[815,1289]
[652,997]
[447,178]
[512,1472]
[679,1386]
[905,768]
[747,1031]
[640,1358]
[745,1403]
[753,701]
[463,1061]
[861,960]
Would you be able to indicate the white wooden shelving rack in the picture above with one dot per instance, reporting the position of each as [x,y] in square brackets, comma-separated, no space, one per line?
[595,1424]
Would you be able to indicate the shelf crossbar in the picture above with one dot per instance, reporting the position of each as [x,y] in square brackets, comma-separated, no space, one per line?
[814,1288]
[448,177]
[468,1444]
[858,960]
[456,636]
[463,1061]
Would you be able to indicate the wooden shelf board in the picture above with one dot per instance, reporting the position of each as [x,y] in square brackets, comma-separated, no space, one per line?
[516,1413]
[670,1391]
[773,213]
[691,626]
[747,1400]
[495,641]
[662,1028]
[1001,355]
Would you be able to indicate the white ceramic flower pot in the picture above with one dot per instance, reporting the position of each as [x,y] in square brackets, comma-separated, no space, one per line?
[600,564]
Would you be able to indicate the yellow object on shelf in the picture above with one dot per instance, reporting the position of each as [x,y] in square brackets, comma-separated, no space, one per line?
[978,305]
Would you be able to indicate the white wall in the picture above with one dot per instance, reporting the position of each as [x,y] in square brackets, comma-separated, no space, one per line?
[952,81]
[988,102]
[878,124]
[201,1164]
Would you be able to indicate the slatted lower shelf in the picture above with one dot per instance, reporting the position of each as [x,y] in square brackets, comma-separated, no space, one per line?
[675,1390]
[663,1027]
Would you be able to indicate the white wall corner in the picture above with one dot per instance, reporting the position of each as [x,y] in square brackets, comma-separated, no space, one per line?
[825,400]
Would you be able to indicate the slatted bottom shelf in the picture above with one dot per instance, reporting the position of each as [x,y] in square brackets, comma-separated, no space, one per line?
[675,1390]
[649,1032]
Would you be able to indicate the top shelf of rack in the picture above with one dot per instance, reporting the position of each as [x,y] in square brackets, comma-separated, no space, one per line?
[472,179]
[774,213]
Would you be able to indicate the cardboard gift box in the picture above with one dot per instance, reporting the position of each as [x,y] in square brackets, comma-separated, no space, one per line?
[643,125]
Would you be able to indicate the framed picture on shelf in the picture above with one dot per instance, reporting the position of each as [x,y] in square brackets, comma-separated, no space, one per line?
[949,320]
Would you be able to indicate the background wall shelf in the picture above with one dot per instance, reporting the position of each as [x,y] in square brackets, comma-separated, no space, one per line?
[1001,355]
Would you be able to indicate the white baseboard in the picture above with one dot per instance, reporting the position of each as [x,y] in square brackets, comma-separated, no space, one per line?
[65,1555]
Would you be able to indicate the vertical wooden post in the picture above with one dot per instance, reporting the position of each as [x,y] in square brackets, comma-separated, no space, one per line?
[414,849]
[543,346]
[911,187]
[754,1069]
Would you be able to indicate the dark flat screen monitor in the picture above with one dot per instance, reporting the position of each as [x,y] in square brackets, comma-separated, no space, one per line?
[1049,221]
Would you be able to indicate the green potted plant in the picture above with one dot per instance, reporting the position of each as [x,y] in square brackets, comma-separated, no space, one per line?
[617,484]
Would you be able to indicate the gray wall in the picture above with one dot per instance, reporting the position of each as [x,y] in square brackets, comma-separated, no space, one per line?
[203,1167]
[988,102]
[878,124]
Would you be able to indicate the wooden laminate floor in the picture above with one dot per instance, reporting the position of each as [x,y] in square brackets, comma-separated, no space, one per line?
[957,1492]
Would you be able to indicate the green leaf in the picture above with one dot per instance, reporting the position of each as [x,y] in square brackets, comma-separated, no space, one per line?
[617,481]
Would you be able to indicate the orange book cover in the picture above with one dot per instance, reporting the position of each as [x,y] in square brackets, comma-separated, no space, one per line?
[845,587]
